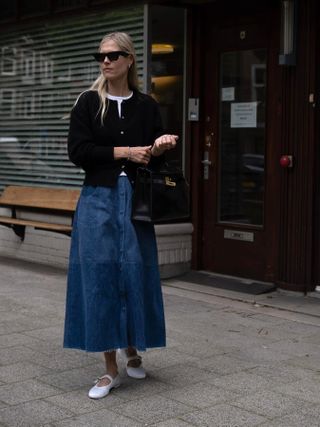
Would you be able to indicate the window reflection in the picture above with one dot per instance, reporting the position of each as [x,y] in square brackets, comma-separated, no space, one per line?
[242,136]
[167,70]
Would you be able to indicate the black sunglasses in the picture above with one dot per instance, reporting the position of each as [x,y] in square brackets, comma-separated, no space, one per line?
[112,56]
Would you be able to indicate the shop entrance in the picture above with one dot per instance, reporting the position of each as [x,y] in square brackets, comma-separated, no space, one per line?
[238,148]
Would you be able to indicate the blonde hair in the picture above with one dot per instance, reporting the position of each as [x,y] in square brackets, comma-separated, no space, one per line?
[125,44]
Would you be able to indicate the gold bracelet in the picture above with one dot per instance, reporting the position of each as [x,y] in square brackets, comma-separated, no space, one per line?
[129,154]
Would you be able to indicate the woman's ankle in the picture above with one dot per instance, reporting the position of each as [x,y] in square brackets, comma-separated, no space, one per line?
[113,372]
[131,351]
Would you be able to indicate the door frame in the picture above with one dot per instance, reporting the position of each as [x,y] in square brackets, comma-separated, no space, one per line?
[218,16]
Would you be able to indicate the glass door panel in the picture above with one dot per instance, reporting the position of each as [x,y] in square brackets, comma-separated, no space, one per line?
[242,137]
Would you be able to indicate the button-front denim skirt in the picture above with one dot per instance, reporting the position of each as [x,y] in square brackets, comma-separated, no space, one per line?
[114,297]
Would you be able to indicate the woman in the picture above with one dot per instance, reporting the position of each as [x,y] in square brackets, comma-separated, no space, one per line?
[114,298]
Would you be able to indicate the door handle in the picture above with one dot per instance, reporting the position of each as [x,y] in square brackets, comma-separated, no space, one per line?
[206,162]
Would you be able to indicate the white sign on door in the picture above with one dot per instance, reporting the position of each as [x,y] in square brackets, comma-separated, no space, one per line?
[243,115]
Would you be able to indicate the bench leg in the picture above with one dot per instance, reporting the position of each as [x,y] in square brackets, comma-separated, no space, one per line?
[19,230]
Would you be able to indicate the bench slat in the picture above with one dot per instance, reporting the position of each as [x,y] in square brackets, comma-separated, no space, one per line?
[38,197]
[36,224]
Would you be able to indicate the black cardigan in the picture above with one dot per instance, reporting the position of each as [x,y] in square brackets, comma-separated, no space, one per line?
[90,145]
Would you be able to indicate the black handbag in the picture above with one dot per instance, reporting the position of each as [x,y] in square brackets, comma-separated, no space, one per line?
[160,195]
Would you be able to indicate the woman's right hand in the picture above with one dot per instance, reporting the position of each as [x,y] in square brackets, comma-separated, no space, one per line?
[134,154]
[140,154]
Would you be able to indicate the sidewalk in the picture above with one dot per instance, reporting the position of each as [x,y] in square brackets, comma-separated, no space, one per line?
[231,360]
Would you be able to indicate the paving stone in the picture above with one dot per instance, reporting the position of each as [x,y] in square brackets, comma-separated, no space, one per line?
[293,420]
[234,338]
[201,347]
[14,340]
[46,347]
[32,414]
[31,321]
[180,375]
[2,405]
[170,343]
[282,373]
[261,354]
[132,389]
[24,391]
[16,354]
[193,328]
[225,364]
[223,416]
[47,333]
[38,309]
[9,303]
[269,404]
[242,382]
[266,319]
[79,403]
[183,305]
[299,328]
[304,417]
[308,390]
[201,395]
[251,321]
[294,347]
[313,339]
[166,357]
[311,411]
[307,361]
[22,371]
[102,418]
[172,423]
[152,409]
[63,360]
[9,327]
[74,379]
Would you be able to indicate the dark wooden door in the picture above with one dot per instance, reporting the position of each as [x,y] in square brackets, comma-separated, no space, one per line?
[240,159]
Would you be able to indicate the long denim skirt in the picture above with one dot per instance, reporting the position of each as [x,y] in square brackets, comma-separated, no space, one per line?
[114,297]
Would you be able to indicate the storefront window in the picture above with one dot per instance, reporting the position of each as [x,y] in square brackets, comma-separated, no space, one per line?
[167,28]
[44,67]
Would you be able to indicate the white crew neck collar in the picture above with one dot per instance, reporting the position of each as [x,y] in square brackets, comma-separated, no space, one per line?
[118,98]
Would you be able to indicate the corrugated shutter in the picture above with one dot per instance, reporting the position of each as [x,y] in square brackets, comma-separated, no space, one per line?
[43,69]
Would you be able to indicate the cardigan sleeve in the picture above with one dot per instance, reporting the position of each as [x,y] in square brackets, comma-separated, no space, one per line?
[82,150]
[156,161]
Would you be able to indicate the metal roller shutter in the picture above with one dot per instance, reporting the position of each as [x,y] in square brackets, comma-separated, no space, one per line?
[42,71]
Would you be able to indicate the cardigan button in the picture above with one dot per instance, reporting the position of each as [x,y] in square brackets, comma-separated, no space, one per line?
[122,132]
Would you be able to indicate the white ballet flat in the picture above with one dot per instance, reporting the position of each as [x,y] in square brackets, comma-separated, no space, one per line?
[97,392]
[138,373]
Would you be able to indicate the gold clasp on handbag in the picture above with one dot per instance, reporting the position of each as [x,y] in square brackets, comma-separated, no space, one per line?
[169,181]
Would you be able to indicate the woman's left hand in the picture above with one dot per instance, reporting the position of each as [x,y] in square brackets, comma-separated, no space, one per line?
[163,143]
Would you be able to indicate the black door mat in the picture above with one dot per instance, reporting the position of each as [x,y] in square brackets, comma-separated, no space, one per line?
[232,284]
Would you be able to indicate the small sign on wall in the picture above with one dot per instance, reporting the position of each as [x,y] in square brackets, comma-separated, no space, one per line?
[243,115]
[193,109]
[245,236]
[228,94]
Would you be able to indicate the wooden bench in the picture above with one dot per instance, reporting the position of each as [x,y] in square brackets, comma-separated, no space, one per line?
[60,202]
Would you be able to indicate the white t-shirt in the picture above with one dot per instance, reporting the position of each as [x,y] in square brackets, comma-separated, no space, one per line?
[119,100]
